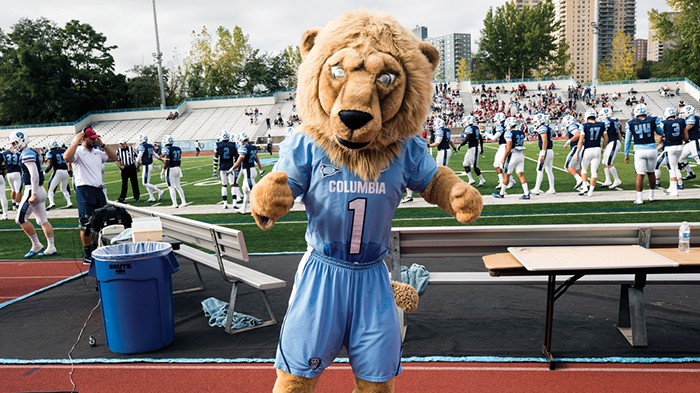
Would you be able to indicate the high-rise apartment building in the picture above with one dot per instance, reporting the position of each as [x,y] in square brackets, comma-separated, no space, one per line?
[524,3]
[578,23]
[421,32]
[452,48]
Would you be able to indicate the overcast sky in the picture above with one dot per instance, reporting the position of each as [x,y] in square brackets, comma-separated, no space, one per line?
[270,25]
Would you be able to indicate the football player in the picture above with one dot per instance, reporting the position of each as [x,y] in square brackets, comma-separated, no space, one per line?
[513,158]
[545,142]
[60,175]
[472,138]
[589,143]
[641,130]
[612,147]
[225,155]
[145,159]
[171,173]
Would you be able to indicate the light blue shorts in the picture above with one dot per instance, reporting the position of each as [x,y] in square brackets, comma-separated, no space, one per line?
[337,304]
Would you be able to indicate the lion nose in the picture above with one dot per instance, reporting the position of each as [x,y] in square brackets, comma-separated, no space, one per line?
[354,119]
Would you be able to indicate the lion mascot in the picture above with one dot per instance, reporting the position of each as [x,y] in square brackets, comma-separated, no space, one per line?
[364,90]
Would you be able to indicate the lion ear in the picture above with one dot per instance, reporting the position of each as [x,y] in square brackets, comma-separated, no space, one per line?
[308,41]
[431,53]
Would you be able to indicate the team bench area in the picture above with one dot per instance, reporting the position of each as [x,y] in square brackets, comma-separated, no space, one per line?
[559,256]
[219,248]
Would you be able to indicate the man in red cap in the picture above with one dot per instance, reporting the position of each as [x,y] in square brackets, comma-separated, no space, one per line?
[87,154]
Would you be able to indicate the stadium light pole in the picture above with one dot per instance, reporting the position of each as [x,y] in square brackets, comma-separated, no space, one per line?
[159,59]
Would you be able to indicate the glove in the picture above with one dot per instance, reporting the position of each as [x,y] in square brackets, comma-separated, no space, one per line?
[459,147]
[70,173]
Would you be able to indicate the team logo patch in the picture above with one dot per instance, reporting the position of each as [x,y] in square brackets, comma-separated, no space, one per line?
[315,363]
[328,170]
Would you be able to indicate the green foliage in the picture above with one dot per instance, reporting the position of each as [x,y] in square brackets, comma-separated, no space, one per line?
[681,59]
[463,71]
[516,43]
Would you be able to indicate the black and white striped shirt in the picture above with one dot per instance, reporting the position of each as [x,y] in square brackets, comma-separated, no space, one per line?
[126,156]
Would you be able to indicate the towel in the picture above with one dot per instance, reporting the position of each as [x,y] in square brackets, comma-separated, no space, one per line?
[216,310]
[416,276]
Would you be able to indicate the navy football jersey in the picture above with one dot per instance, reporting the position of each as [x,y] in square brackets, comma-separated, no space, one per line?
[249,153]
[174,155]
[592,132]
[643,130]
[12,161]
[545,129]
[227,153]
[146,151]
[673,132]
[56,158]
[29,155]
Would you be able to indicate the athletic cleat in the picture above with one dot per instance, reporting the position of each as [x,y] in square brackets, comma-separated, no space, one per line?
[150,199]
[615,184]
[673,194]
[606,184]
[3,217]
[481,183]
[238,210]
[32,253]
[651,199]
[497,195]
[51,206]
[583,191]
[472,182]
[68,206]
[174,206]
[525,197]
[551,191]
[183,204]
[638,201]
[511,183]
[536,191]
[578,185]
[160,195]
[48,252]
[407,199]
[689,176]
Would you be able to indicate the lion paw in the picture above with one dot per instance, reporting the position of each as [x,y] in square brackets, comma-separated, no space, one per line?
[270,199]
[466,202]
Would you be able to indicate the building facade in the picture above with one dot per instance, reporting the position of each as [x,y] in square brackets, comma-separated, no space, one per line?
[640,49]
[421,32]
[581,19]
[655,47]
[452,48]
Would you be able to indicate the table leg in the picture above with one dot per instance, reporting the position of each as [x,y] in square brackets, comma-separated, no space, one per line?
[549,321]
[632,316]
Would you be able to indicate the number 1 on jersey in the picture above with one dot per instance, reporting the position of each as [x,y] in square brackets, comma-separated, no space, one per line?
[358,206]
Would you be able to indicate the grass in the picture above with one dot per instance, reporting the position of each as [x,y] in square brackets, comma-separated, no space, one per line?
[288,235]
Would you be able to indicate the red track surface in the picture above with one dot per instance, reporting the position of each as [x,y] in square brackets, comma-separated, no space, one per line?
[22,277]
[417,377]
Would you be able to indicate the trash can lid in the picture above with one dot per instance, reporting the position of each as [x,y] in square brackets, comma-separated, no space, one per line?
[132,251]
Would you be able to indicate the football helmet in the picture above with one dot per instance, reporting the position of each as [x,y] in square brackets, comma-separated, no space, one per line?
[605,113]
[567,121]
[670,112]
[590,113]
[168,140]
[224,135]
[143,138]
[640,110]
[18,140]
[469,120]
[243,137]
[687,111]
[539,119]
[438,123]
[510,123]
[499,117]
[53,144]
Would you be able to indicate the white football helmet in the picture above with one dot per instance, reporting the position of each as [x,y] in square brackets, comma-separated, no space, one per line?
[499,117]
[18,140]
[539,119]
[243,137]
[605,113]
[687,111]
[567,121]
[640,110]
[438,123]
[510,123]
[469,120]
[670,112]
[168,140]
[53,144]
[143,138]
[590,113]
[224,136]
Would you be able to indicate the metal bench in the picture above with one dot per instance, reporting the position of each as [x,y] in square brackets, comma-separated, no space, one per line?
[225,247]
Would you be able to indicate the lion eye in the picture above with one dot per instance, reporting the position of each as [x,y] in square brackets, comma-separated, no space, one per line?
[386,79]
[337,72]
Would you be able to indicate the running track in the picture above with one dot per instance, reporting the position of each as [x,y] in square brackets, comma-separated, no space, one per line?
[417,377]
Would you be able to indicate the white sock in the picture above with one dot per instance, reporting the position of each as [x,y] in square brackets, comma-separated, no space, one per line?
[606,170]
[538,182]
[526,189]
[651,194]
[613,172]
[639,195]
[590,190]
[49,240]
[503,189]
[500,178]
[36,245]
[578,178]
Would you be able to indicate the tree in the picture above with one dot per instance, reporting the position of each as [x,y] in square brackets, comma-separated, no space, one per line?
[620,67]
[684,31]
[463,71]
[53,74]
[516,43]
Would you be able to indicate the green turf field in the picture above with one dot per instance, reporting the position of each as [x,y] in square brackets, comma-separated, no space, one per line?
[288,235]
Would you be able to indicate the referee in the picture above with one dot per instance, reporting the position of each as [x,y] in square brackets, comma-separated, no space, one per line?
[126,160]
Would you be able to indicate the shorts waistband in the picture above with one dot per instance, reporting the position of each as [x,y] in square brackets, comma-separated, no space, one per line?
[345,264]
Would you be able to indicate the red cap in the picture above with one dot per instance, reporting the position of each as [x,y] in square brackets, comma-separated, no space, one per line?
[90,133]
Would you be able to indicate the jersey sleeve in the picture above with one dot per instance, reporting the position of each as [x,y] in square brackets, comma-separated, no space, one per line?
[420,167]
[542,129]
[296,161]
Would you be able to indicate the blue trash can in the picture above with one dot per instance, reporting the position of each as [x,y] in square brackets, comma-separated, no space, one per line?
[135,285]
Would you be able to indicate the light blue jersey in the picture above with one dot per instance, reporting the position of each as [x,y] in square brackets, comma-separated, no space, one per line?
[349,218]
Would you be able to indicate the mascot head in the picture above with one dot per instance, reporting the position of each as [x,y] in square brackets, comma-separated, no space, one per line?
[364,86]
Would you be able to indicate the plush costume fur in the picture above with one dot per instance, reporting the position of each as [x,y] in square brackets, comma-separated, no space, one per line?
[386,78]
